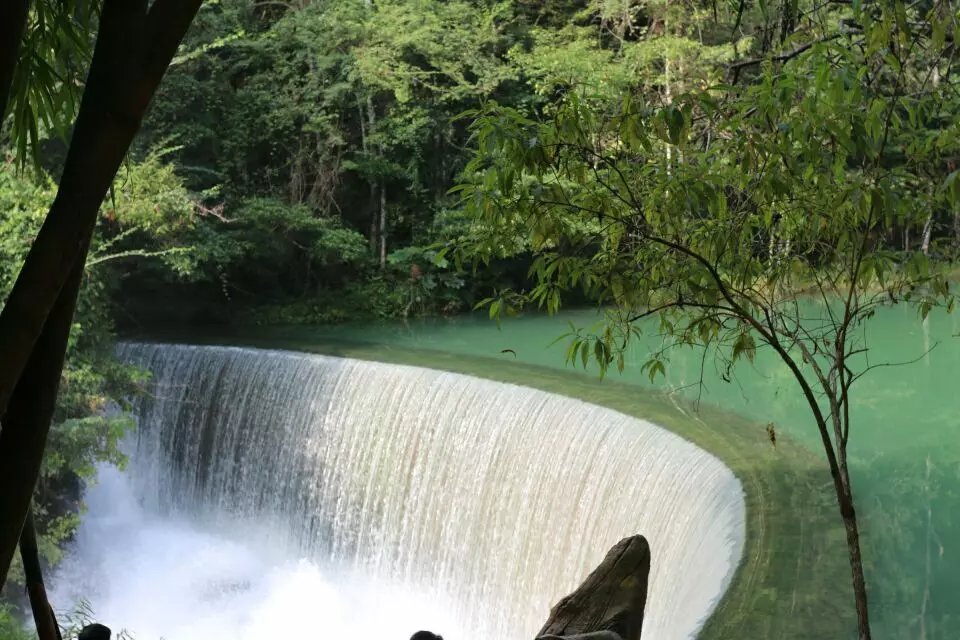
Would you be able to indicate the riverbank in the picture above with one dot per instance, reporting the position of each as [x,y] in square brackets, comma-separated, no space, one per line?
[793,578]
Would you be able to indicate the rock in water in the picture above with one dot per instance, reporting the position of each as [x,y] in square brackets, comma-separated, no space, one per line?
[609,604]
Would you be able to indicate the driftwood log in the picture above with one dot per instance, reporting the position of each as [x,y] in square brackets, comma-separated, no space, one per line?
[609,604]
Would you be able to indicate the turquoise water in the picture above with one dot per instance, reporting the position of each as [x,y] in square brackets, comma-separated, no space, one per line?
[904,443]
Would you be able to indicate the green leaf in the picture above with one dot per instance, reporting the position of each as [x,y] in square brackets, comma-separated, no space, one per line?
[676,124]
[495,309]
[744,345]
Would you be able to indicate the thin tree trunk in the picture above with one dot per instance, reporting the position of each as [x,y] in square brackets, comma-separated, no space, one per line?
[845,498]
[668,93]
[134,48]
[383,226]
[13,20]
[837,463]
[373,219]
[43,616]
[927,232]
[371,203]
[841,483]
[377,238]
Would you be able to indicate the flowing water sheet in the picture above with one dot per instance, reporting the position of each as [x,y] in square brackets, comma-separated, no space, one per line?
[287,494]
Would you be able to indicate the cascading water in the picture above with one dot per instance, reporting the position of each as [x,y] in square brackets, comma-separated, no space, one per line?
[300,495]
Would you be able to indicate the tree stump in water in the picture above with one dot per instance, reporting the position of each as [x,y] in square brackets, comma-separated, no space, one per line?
[609,604]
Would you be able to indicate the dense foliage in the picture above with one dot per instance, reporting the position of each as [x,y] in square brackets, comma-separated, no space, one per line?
[332,132]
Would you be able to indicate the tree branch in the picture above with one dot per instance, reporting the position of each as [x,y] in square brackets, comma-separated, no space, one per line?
[678,304]
[134,253]
[895,364]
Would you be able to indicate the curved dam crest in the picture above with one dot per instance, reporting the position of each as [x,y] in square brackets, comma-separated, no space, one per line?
[489,499]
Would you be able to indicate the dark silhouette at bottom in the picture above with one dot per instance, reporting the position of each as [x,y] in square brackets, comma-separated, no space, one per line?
[94,632]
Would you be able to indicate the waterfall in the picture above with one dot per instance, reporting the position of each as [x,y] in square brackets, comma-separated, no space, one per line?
[488,500]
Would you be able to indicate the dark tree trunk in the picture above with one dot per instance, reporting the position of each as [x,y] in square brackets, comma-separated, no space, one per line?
[43,617]
[104,127]
[13,19]
[849,514]
[372,202]
[839,474]
[27,422]
[132,52]
[134,48]
[841,483]
[376,187]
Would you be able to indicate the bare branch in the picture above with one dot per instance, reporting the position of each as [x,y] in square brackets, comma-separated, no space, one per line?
[895,364]
[736,67]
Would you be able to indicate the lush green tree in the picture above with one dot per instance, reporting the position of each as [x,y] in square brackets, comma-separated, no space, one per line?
[306,250]
[350,110]
[756,216]
[343,110]
[656,49]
